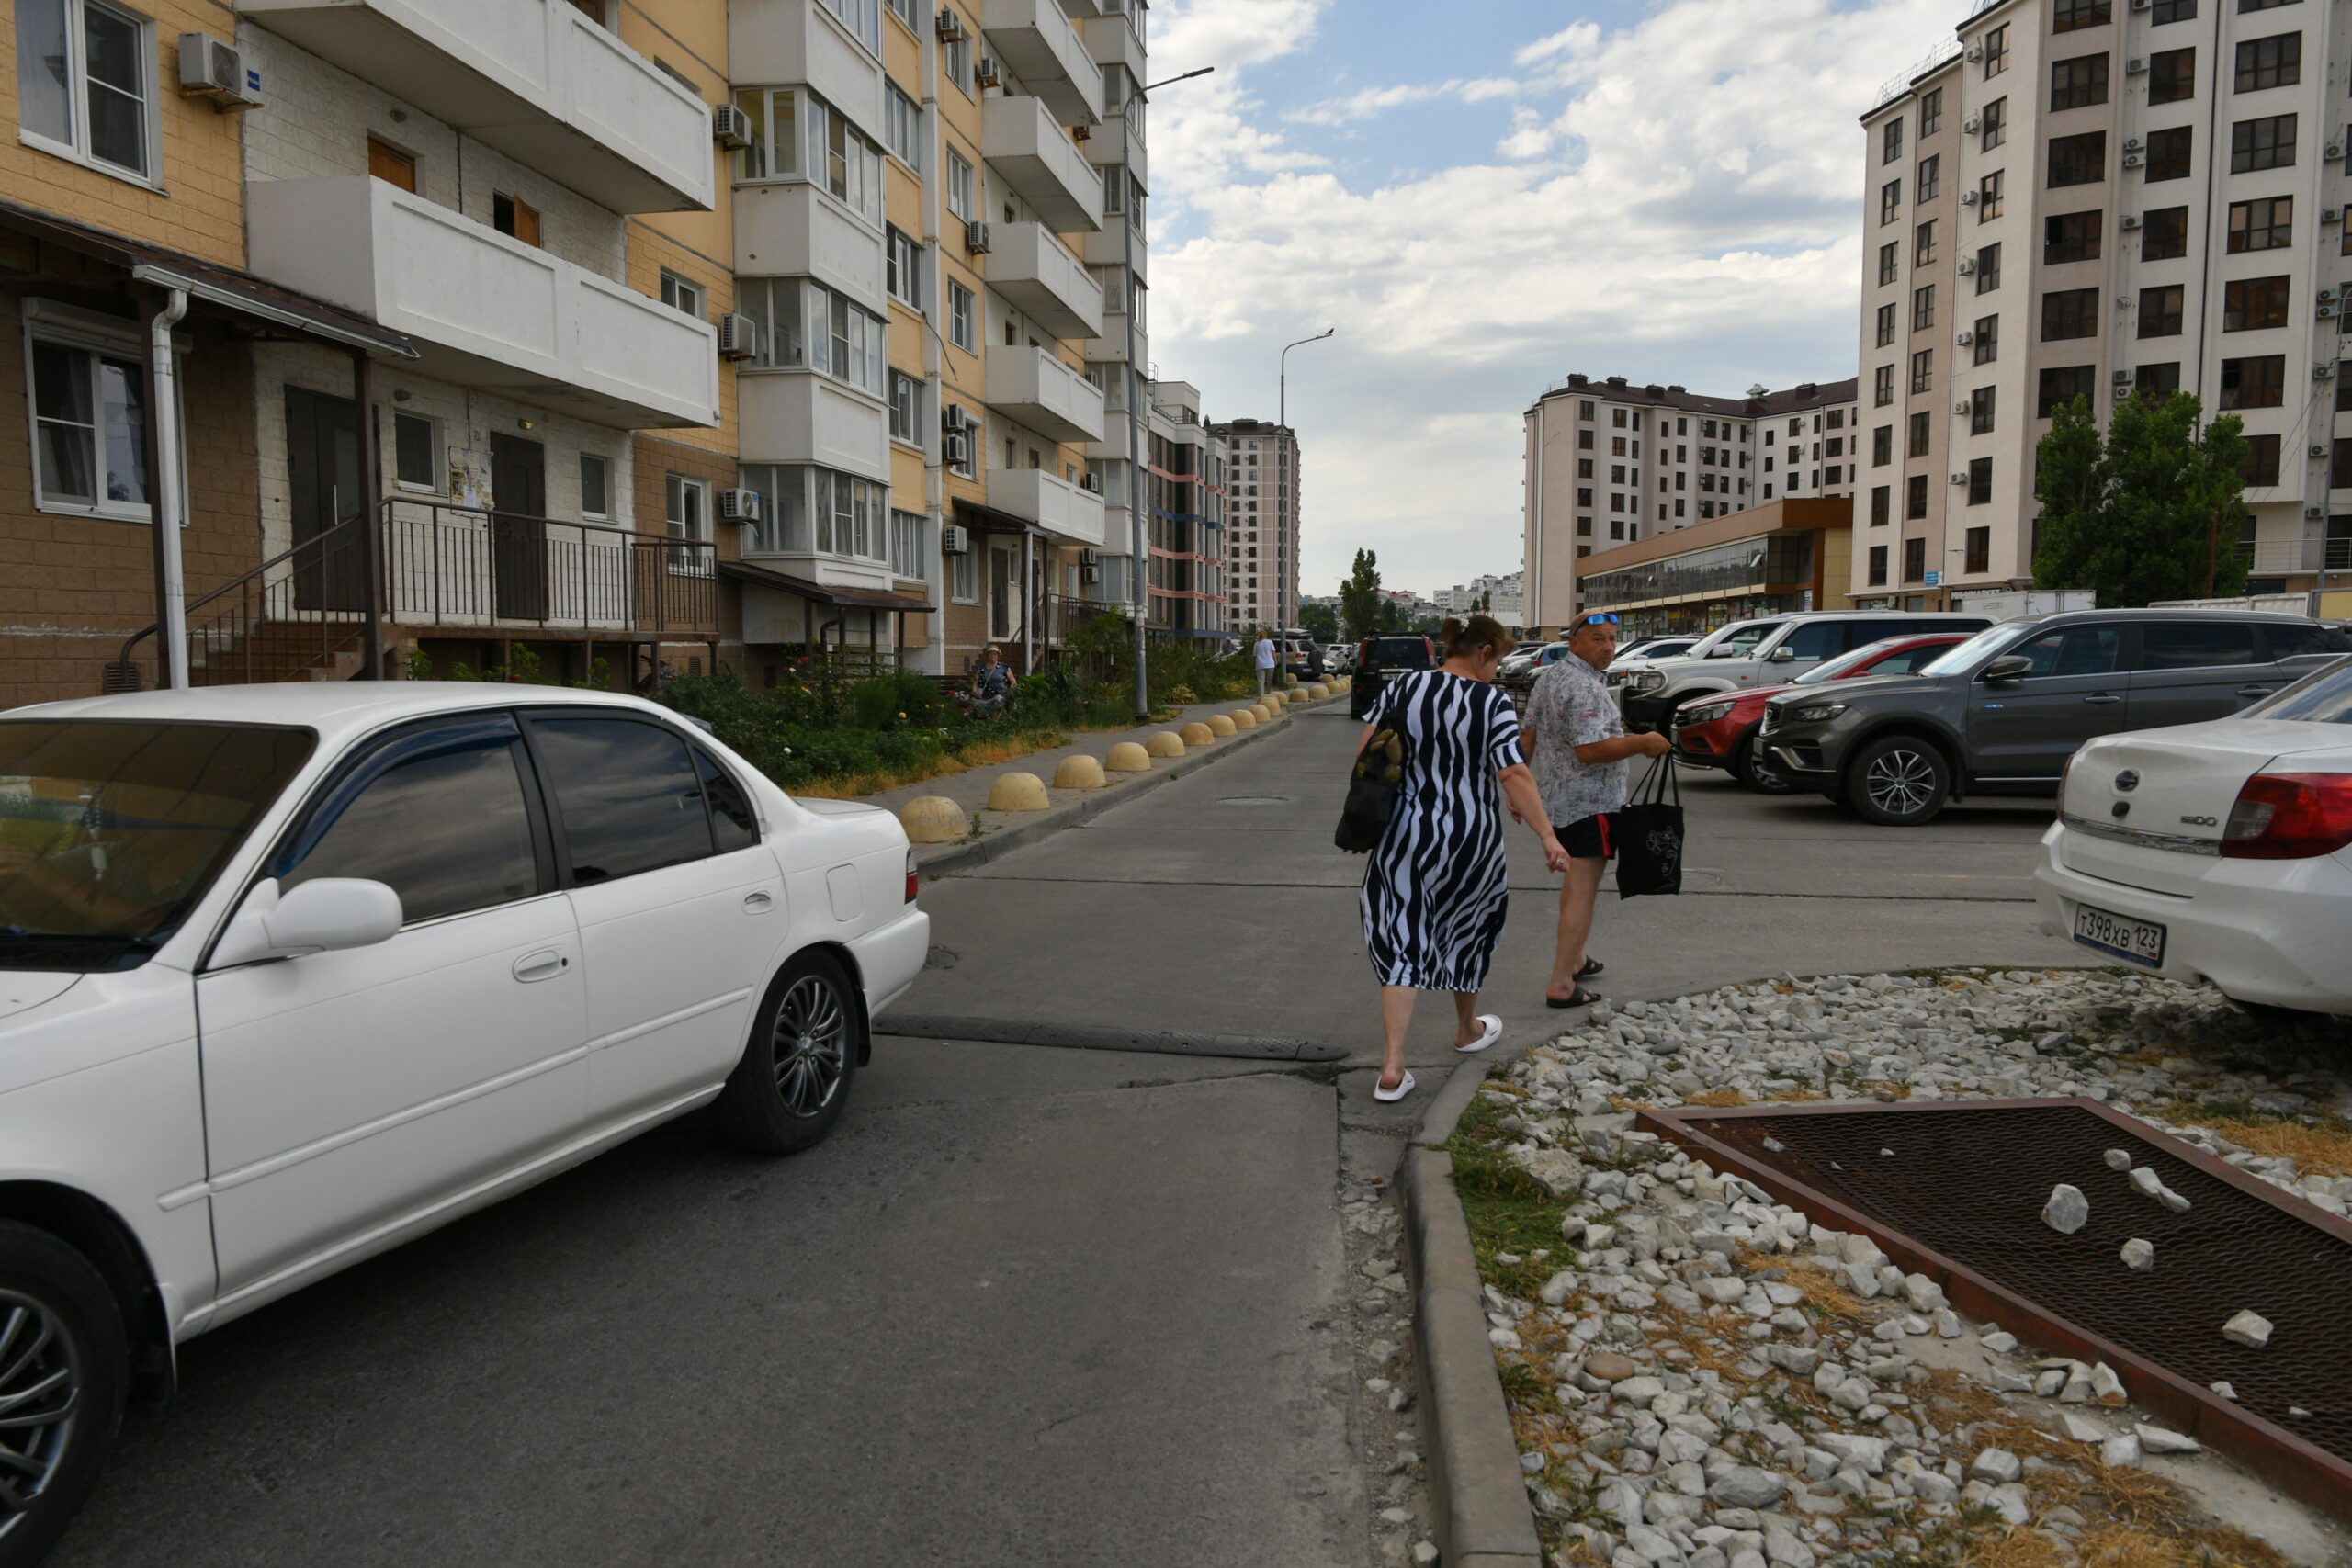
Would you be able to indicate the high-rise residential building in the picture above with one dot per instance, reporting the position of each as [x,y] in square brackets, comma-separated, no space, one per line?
[1185,491]
[1262,510]
[1608,462]
[2097,198]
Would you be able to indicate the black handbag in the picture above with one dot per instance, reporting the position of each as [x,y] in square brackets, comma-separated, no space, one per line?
[1372,787]
[1649,834]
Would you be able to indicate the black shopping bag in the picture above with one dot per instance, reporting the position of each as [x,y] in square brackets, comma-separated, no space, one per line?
[1649,834]
[1372,784]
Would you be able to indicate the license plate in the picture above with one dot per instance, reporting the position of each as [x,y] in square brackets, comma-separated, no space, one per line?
[2141,942]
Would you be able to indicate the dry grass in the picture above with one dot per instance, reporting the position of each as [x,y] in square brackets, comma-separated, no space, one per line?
[2124,1546]
[2017,1549]
[1716,1097]
[1822,1290]
[2137,1498]
[1966,1399]
[2325,1150]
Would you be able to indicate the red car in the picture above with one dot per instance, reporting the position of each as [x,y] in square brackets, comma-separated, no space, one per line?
[1713,731]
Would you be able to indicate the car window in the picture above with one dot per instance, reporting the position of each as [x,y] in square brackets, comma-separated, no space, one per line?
[2195,645]
[1743,640]
[1862,634]
[445,826]
[733,824]
[1815,639]
[1904,661]
[2289,641]
[626,794]
[2074,650]
[2324,697]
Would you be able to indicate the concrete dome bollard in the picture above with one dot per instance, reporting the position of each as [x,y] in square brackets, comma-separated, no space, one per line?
[1220,725]
[934,819]
[1167,743]
[1017,792]
[1295,695]
[1243,718]
[1079,773]
[1197,734]
[1127,757]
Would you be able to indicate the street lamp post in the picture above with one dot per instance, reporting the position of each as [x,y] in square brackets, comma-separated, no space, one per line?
[1282,423]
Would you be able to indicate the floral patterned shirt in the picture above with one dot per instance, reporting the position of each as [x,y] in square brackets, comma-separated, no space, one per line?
[1571,706]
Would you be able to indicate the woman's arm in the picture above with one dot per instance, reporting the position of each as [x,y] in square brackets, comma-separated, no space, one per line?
[1527,804]
[1617,748]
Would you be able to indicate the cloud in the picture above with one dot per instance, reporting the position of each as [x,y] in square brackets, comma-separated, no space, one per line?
[1371,101]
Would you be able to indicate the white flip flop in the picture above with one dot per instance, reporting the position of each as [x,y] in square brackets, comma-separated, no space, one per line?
[1494,1032]
[1403,1087]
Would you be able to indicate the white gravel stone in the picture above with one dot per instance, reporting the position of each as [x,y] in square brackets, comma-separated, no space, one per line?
[2117,1159]
[2001,1341]
[1996,1465]
[2156,1440]
[2140,1255]
[2121,1450]
[2082,1428]
[2068,1210]
[2248,1328]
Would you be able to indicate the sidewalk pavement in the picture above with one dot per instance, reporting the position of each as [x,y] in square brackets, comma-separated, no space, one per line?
[1002,831]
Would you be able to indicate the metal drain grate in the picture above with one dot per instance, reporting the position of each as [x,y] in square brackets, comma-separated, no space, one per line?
[1956,1188]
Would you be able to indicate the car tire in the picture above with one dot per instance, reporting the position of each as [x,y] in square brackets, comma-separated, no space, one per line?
[62,1350]
[1759,774]
[787,1091]
[1898,780]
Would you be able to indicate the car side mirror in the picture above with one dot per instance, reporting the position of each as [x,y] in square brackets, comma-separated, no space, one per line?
[1782,655]
[326,915]
[2010,666]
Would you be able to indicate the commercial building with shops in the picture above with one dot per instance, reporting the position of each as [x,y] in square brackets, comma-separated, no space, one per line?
[1785,555]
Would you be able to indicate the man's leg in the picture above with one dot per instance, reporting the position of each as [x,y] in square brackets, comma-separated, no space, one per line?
[1578,892]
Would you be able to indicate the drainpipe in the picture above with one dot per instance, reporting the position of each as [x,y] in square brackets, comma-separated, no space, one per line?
[168,503]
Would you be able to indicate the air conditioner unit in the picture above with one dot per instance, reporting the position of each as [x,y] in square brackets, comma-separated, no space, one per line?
[1960,479]
[730,125]
[1967,268]
[1975,51]
[952,416]
[1973,124]
[955,539]
[2330,215]
[950,26]
[1961,407]
[2135,66]
[2324,371]
[2132,160]
[2123,378]
[211,69]
[2326,295]
[739,506]
[1088,557]
[2313,514]
[985,75]
[2333,150]
[739,336]
[956,448]
[2326,312]
[2133,144]
[2129,221]
[2139,5]
[1089,574]
[1968,198]
[2317,450]
[1963,338]
[976,237]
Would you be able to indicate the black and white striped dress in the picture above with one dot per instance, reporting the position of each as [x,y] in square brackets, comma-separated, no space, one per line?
[1436,892]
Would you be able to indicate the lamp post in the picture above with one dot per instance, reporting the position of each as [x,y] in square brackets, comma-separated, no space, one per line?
[1282,423]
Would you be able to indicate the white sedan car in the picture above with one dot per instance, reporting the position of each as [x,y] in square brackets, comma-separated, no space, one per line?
[2219,851]
[291,974]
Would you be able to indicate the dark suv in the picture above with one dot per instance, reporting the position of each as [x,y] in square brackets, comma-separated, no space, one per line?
[2001,713]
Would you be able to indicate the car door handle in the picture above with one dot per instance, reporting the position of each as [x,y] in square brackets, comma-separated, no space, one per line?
[2102,698]
[758,903]
[2254,690]
[544,964]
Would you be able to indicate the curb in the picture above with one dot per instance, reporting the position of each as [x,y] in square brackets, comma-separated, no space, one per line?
[1474,1482]
[952,858]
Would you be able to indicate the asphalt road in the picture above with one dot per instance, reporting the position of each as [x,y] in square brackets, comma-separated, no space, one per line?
[1026,1305]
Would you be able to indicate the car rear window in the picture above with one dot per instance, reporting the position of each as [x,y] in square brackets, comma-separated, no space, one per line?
[2195,645]
[2289,641]
[2324,697]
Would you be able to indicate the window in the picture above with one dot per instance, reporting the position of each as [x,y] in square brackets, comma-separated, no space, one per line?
[1915,560]
[1930,177]
[2157,381]
[1885,324]
[2077,160]
[1890,140]
[1881,446]
[628,794]
[1918,435]
[2078,83]
[686,511]
[907,11]
[962,199]
[1890,201]
[2195,645]
[964,577]
[804,509]
[862,17]
[774,148]
[1881,500]
[2274,62]
[963,319]
[905,408]
[2266,223]
[955,53]
[2160,310]
[902,266]
[445,826]
[902,127]
[1980,484]
[2172,75]
[2062,384]
[1923,365]
[2078,650]
[1997,51]
[389,165]
[1882,385]
[2069,313]
[2262,144]
[1914,497]
[595,487]
[2071,237]
[2258,382]
[843,161]
[2261,465]
[416,458]
[1931,113]
[2070,14]
[680,294]
[1923,308]
[1923,249]
[1979,547]
[1995,126]
[805,323]
[2163,234]
[1878,561]
[2172,11]
[90,427]
[85,85]
[1980,410]
[510,215]
[907,554]
[1989,191]
[1988,269]
[2245,5]
[1988,339]
[2168,153]
[1890,262]
[2339,468]
[2252,304]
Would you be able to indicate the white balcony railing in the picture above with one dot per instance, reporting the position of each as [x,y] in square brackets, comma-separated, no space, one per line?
[1033,386]
[1113,40]
[485,309]
[799,416]
[536,79]
[1070,512]
[1043,50]
[1037,158]
[1030,267]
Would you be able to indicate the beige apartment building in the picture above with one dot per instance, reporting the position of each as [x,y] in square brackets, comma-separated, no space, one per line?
[1609,464]
[1261,577]
[1185,485]
[2094,198]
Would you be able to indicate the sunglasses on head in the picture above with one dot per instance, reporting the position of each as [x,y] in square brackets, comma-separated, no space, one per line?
[1599,621]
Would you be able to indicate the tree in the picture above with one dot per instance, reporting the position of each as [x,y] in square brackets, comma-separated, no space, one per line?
[2150,512]
[1321,621]
[1360,600]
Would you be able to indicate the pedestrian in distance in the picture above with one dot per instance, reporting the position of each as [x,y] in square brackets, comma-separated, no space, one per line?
[1264,654]
[1437,889]
[992,684]
[1577,747]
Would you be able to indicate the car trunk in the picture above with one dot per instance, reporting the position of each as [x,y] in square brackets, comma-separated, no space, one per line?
[2187,779]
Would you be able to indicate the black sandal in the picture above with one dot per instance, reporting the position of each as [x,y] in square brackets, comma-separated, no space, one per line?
[1592,966]
[1580,998]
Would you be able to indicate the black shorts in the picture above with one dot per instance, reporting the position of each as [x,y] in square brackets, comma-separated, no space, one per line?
[1589,837]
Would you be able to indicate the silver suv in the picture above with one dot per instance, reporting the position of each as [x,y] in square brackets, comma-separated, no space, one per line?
[1772,651]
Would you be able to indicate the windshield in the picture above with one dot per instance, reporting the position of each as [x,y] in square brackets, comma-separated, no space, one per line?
[110,830]
[2324,697]
[1962,656]
[1738,641]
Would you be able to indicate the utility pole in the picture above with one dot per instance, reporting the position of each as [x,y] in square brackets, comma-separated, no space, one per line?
[2212,546]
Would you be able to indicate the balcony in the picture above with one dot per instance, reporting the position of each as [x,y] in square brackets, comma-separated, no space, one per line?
[486,310]
[1032,386]
[1037,159]
[1113,40]
[534,79]
[788,229]
[1069,512]
[1113,345]
[799,416]
[1043,50]
[1029,267]
[456,565]
[1108,246]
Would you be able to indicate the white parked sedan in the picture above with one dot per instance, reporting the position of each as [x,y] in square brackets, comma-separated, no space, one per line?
[291,974]
[2220,850]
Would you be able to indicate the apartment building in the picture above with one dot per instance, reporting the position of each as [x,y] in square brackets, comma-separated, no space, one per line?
[1589,485]
[2097,198]
[1185,487]
[1261,578]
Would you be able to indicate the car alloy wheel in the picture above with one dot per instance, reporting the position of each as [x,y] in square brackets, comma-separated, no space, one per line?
[1761,775]
[789,1089]
[812,1045]
[1898,781]
[41,1388]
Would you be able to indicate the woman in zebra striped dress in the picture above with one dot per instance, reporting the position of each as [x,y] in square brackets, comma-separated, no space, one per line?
[1436,892]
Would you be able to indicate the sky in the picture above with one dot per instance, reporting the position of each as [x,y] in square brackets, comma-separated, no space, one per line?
[1483,196]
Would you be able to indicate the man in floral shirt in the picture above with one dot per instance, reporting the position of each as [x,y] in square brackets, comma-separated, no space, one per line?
[1577,744]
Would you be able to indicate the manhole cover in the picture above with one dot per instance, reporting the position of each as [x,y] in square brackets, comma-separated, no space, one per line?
[1253,800]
